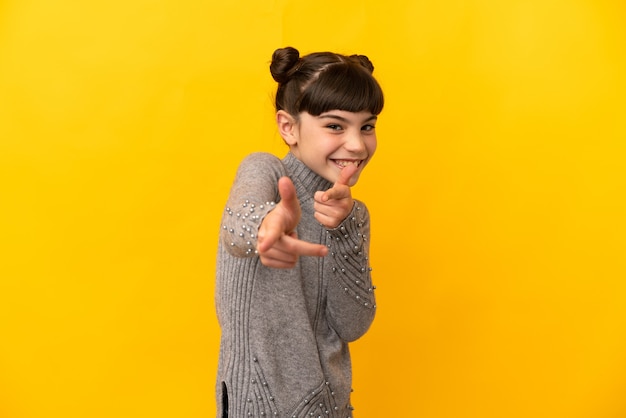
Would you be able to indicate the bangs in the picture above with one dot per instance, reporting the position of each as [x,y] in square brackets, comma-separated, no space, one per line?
[342,87]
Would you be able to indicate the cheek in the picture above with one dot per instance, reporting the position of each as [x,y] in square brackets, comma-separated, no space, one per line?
[371,145]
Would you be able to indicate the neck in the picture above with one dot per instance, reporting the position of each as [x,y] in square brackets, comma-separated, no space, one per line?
[307,182]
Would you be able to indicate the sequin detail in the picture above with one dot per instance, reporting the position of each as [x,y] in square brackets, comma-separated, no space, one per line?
[347,245]
[240,227]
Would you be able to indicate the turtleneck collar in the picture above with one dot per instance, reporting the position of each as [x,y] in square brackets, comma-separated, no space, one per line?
[307,182]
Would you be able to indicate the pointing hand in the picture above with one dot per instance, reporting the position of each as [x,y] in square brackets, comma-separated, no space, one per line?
[278,244]
[335,204]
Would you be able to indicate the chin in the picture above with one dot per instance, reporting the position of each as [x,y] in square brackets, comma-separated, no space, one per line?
[353,180]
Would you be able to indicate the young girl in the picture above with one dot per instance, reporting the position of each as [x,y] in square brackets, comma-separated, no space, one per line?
[293,278]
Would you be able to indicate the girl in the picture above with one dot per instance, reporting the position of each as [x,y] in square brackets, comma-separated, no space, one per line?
[293,281]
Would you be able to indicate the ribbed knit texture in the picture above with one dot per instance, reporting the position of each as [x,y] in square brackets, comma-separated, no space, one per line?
[285,332]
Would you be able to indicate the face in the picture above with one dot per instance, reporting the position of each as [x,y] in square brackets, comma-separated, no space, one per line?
[329,142]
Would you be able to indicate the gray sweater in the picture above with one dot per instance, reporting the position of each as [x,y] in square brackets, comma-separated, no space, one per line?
[285,332]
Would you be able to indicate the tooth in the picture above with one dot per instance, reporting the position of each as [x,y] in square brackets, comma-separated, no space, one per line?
[345,163]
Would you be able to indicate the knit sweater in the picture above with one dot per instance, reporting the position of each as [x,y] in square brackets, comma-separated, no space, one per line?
[285,332]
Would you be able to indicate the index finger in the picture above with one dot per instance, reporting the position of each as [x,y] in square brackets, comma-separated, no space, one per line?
[299,247]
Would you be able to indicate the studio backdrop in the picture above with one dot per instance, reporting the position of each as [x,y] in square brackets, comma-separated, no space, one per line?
[496,195]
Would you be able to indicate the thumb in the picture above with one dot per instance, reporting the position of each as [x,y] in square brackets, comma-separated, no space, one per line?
[346,173]
[289,201]
[343,180]
[287,192]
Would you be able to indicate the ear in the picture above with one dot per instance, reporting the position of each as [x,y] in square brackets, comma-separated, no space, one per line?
[287,126]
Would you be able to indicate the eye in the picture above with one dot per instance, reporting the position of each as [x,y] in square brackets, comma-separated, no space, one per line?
[368,128]
[334,127]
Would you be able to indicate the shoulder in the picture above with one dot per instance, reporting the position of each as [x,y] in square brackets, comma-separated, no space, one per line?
[261,164]
[263,158]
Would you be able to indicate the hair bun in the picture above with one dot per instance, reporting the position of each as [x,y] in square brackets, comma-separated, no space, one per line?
[283,62]
[364,61]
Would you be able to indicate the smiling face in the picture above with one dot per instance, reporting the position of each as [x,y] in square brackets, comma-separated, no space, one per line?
[329,142]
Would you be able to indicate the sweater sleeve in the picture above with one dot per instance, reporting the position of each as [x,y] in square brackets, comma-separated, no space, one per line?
[351,304]
[252,196]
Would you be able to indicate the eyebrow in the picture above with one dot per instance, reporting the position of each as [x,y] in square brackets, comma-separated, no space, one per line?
[342,119]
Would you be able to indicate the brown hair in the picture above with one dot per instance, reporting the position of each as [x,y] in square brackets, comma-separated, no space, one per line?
[323,81]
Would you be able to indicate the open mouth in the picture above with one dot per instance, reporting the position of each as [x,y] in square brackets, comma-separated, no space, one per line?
[345,163]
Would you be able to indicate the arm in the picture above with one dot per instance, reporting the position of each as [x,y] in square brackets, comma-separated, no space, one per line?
[351,304]
[260,226]
[252,196]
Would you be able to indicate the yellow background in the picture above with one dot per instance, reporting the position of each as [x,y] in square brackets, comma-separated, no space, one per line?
[497,197]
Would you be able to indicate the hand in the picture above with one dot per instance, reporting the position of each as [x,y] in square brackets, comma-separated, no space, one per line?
[278,244]
[335,204]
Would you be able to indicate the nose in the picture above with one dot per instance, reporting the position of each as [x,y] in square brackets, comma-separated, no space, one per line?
[355,143]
